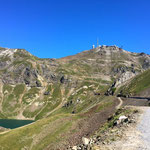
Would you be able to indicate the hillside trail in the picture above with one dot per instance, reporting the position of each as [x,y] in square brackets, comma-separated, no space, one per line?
[144,128]
[120,104]
[4,132]
[135,137]
[62,101]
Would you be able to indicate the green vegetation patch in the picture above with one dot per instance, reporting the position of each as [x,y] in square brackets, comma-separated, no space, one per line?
[19,89]
[104,105]
[5,58]
[51,102]
[11,105]
[115,117]
[138,84]
[30,95]
[39,135]
[7,88]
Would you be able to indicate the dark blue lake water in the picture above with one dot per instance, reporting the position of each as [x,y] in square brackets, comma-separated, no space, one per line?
[13,123]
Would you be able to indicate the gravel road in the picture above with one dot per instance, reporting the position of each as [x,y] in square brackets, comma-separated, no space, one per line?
[136,137]
[144,128]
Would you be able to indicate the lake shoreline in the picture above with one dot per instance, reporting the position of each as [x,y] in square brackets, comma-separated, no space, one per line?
[14,123]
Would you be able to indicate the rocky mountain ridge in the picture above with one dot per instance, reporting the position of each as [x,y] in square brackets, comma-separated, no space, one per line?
[71,98]
[32,87]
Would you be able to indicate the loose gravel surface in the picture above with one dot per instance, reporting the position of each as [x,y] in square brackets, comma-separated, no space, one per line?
[144,128]
[135,136]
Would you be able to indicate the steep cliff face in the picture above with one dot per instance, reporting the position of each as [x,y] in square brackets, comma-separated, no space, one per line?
[32,87]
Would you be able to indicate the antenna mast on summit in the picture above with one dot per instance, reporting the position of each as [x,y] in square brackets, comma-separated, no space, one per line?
[97,43]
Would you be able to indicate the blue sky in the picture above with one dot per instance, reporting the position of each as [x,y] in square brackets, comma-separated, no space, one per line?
[58,28]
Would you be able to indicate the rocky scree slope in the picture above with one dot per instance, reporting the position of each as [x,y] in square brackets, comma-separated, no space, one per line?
[138,87]
[33,88]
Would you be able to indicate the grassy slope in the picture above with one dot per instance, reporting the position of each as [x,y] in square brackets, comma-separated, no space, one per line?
[11,97]
[42,131]
[138,84]
[51,132]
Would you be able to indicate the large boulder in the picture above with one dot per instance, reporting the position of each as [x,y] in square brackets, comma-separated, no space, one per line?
[74,148]
[85,141]
[122,119]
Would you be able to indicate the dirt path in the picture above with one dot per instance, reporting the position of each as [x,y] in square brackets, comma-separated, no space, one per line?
[120,104]
[144,128]
[4,132]
[134,137]
[62,101]
[60,105]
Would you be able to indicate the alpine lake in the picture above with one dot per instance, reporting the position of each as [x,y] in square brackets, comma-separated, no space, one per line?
[14,123]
